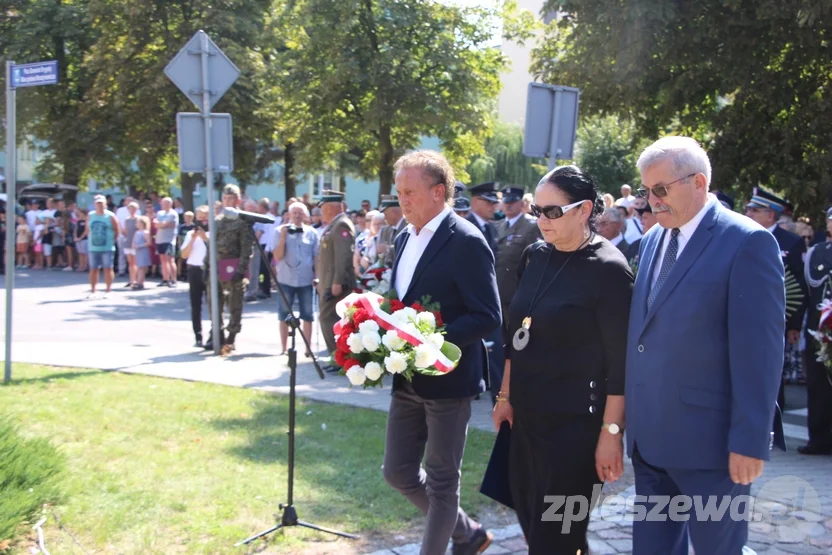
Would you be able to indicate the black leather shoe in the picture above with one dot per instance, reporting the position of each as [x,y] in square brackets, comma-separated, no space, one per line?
[198,342]
[815,449]
[478,543]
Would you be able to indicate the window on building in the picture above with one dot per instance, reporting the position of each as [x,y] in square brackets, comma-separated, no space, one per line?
[321,182]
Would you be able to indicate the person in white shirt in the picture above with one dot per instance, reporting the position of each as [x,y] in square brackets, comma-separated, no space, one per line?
[122,214]
[194,249]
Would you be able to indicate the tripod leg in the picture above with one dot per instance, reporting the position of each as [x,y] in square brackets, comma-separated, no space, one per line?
[327,530]
[260,535]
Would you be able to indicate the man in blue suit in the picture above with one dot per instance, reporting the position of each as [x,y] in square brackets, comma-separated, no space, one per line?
[704,355]
[446,257]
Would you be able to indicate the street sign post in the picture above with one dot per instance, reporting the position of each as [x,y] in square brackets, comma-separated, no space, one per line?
[204,73]
[25,75]
[551,122]
[189,133]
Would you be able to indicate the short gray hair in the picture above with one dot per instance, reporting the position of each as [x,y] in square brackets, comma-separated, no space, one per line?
[613,214]
[686,155]
[300,205]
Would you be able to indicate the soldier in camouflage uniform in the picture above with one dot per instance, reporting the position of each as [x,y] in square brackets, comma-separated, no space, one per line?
[336,275]
[234,248]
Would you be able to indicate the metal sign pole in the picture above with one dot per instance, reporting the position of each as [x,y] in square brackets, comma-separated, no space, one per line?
[209,184]
[11,201]
[554,151]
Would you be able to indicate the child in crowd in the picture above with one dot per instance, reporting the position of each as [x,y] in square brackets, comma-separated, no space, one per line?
[188,218]
[141,243]
[39,229]
[24,237]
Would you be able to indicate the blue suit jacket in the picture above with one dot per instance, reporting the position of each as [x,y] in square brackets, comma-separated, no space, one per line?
[704,364]
[456,271]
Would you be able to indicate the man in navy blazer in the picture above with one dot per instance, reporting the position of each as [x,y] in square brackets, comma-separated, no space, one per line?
[446,257]
[704,355]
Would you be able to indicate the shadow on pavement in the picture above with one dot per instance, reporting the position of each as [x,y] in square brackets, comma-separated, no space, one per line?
[51,378]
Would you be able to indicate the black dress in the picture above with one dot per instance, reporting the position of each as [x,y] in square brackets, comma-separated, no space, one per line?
[575,357]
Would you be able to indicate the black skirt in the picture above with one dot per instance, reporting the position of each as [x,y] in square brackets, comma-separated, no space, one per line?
[554,455]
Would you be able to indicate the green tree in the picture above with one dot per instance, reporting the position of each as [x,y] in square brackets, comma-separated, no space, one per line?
[378,75]
[749,78]
[504,161]
[607,148]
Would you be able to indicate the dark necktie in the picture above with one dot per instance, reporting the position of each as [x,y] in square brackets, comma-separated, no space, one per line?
[667,265]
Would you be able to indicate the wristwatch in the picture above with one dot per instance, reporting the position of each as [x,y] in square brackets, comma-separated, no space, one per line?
[613,428]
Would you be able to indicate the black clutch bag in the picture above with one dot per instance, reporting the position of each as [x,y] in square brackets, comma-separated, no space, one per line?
[495,483]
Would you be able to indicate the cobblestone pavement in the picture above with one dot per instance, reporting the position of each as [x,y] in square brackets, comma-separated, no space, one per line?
[149,332]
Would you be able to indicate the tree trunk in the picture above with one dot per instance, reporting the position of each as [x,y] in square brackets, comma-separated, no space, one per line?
[342,181]
[70,177]
[289,173]
[385,167]
[188,183]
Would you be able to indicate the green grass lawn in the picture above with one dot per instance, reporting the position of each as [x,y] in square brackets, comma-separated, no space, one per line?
[166,466]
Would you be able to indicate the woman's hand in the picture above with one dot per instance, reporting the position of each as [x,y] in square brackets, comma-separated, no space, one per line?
[609,456]
[502,412]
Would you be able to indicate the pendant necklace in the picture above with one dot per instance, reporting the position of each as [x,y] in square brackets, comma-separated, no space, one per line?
[521,336]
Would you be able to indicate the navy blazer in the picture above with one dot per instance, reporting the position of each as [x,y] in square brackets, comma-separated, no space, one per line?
[704,363]
[457,271]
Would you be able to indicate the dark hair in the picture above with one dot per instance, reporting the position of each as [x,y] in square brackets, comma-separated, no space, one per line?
[577,186]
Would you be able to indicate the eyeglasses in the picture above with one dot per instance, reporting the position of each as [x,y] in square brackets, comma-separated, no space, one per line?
[553,212]
[660,190]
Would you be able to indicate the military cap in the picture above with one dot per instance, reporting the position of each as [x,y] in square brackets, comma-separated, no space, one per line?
[231,190]
[763,199]
[389,201]
[512,194]
[462,204]
[727,201]
[486,191]
[459,188]
[331,196]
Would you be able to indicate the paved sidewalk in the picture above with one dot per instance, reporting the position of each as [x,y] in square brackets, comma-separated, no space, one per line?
[148,332]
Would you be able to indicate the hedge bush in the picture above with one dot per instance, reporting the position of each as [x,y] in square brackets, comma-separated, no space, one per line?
[29,476]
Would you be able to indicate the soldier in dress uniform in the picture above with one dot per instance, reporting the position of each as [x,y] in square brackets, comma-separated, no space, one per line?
[336,277]
[234,248]
[395,225]
[766,208]
[484,203]
[516,232]
[818,272]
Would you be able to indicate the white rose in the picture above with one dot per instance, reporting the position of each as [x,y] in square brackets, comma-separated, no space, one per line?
[371,341]
[395,363]
[368,326]
[387,275]
[437,339]
[404,315]
[355,343]
[392,341]
[373,371]
[427,319]
[356,375]
[425,356]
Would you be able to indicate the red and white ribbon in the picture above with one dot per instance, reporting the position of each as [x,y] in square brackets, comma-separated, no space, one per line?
[371,302]
[825,311]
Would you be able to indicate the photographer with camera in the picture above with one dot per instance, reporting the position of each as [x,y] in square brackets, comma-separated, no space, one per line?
[194,250]
[296,247]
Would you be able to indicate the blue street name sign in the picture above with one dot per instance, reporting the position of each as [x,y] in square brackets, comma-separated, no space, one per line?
[33,75]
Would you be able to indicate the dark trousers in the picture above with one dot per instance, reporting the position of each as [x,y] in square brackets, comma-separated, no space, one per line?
[552,455]
[328,317]
[819,393]
[196,289]
[265,276]
[665,535]
[436,430]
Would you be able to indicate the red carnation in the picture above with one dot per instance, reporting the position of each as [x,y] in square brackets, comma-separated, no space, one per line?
[341,357]
[349,363]
[342,345]
[359,316]
[438,316]
[417,307]
[396,305]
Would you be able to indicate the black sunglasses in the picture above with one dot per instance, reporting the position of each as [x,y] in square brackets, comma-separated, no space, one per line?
[660,190]
[553,212]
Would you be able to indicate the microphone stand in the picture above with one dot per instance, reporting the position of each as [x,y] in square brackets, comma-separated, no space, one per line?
[290,515]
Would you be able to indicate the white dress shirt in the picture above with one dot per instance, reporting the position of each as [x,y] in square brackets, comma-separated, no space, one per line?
[634,231]
[480,221]
[413,251]
[685,233]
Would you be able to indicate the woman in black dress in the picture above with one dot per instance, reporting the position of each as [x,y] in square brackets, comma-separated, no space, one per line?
[563,387]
